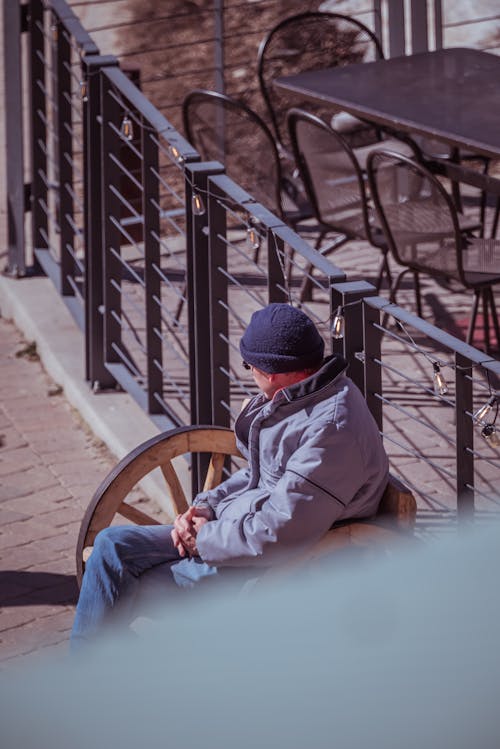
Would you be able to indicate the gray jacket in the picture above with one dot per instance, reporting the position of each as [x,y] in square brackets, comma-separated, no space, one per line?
[315,457]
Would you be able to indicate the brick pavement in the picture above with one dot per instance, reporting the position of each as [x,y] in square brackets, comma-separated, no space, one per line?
[50,464]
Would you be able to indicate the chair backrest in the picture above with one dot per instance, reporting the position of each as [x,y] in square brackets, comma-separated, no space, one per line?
[309,41]
[331,175]
[416,214]
[223,129]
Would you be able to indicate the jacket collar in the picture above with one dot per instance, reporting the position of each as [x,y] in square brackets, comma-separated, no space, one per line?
[330,369]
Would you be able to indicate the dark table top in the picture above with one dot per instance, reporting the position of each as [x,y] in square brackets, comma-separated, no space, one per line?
[451,94]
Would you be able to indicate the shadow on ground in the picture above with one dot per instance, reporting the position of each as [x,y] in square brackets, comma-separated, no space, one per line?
[25,588]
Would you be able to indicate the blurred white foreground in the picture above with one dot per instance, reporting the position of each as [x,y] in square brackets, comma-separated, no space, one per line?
[394,652]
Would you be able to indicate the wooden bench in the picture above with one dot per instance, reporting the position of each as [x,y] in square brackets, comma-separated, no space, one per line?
[395,517]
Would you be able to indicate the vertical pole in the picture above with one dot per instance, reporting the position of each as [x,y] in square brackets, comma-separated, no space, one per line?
[464,438]
[438,24]
[64,162]
[220,83]
[377,20]
[16,260]
[151,217]
[219,323]
[198,299]
[96,372]
[348,296]
[198,292]
[373,357]
[396,20]
[419,30]
[111,238]
[39,177]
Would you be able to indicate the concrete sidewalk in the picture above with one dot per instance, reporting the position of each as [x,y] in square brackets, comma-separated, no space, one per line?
[58,441]
[50,465]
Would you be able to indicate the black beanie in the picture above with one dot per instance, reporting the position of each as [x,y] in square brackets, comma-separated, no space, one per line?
[281,338]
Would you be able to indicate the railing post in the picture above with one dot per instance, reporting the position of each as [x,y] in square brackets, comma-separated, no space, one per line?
[16,259]
[218,318]
[348,296]
[464,437]
[198,299]
[111,237]
[96,372]
[65,163]
[39,191]
[151,218]
[373,357]
[198,292]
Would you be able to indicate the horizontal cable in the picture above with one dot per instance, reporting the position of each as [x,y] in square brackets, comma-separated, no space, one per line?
[406,378]
[480,456]
[76,290]
[418,420]
[128,267]
[482,494]
[255,296]
[421,457]
[129,364]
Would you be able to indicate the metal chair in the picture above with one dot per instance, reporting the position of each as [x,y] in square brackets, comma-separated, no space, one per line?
[335,186]
[315,40]
[424,233]
[226,130]
[311,41]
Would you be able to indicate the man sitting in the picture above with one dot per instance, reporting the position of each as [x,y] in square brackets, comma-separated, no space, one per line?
[314,455]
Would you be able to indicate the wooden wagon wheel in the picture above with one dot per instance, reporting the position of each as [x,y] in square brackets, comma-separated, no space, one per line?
[158,452]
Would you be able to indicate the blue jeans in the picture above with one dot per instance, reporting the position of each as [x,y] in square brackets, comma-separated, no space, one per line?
[124,558]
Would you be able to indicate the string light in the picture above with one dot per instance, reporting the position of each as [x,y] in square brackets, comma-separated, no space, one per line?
[126,128]
[252,239]
[491,435]
[481,415]
[83,90]
[440,384]
[176,154]
[197,204]
[338,325]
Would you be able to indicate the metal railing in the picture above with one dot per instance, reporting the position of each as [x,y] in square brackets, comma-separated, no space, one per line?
[162,259]
[57,43]
[423,386]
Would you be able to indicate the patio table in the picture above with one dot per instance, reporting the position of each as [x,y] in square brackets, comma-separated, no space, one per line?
[450,94]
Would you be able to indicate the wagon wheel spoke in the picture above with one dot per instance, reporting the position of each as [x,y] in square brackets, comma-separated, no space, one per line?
[179,500]
[214,473]
[136,516]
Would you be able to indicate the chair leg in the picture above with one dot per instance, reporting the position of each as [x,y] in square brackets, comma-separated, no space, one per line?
[306,287]
[473,316]
[395,286]
[496,325]
[486,320]
[494,226]
[393,292]
[418,296]
[384,270]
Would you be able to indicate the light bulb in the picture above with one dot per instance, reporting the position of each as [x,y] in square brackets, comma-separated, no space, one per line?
[440,385]
[83,90]
[338,325]
[197,205]
[126,128]
[482,413]
[491,435]
[252,238]
[176,154]
[55,32]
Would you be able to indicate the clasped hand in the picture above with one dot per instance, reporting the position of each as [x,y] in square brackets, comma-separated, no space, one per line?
[186,528]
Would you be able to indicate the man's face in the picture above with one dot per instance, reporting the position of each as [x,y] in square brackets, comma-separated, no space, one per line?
[265,382]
